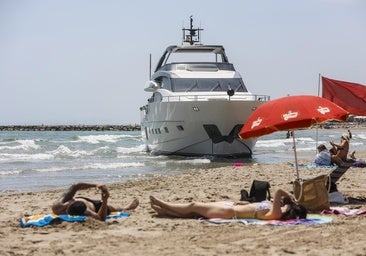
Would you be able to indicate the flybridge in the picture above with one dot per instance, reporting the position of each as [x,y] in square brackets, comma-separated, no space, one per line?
[213,53]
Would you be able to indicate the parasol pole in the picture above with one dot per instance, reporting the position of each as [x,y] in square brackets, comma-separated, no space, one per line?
[296,165]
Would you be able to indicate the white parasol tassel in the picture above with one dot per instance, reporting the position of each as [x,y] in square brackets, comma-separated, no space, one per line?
[296,165]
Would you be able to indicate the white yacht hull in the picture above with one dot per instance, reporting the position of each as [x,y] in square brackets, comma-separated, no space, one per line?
[197,128]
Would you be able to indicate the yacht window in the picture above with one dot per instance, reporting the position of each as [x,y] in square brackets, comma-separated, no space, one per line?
[207,84]
[165,83]
[184,57]
[180,128]
[166,129]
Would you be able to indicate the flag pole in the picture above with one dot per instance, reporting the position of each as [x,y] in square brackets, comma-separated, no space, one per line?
[317,126]
[319,77]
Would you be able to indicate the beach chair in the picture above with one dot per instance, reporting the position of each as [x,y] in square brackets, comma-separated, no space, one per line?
[337,173]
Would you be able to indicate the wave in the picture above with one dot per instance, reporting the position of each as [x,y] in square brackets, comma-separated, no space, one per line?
[24,145]
[12,172]
[6,157]
[137,149]
[272,143]
[113,165]
[64,152]
[360,135]
[61,152]
[100,166]
[95,139]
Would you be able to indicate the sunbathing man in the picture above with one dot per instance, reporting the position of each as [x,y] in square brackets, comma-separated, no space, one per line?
[98,209]
[283,207]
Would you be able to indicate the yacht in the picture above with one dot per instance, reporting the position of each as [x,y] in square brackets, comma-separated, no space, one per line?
[198,102]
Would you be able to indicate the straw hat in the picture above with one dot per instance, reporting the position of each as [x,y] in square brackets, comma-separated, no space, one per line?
[345,136]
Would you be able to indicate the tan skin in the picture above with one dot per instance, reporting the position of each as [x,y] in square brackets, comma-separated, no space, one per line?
[60,206]
[221,209]
[334,158]
[341,149]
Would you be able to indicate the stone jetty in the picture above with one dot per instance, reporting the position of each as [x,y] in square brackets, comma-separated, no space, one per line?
[135,127]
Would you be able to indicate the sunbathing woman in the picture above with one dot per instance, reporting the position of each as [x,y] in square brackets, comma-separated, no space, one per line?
[283,207]
[342,148]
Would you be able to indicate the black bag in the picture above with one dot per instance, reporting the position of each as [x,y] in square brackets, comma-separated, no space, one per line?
[258,192]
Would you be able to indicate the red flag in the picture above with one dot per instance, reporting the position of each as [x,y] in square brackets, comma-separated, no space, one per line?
[349,96]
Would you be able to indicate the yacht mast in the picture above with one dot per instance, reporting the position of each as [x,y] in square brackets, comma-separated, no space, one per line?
[191,35]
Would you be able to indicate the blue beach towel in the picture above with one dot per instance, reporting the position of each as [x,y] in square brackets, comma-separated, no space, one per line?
[312,219]
[41,220]
[312,166]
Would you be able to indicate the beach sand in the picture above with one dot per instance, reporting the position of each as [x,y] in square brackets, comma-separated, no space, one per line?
[145,234]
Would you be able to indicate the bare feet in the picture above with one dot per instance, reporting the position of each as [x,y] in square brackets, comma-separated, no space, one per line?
[155,201]
[132,205]
[160,211]
[158,206]
[352,155]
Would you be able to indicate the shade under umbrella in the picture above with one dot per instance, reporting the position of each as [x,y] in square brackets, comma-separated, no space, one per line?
[290,113]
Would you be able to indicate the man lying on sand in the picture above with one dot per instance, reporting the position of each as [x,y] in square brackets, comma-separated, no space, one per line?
[98,209]
[284,207]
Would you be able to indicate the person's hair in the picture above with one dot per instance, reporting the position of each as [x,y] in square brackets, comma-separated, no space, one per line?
[76,208]
[295,211]
[321,147]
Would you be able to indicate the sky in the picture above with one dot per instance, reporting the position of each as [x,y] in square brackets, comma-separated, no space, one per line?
[87,61]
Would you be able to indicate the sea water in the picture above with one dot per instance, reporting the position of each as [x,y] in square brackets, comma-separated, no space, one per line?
[38,160]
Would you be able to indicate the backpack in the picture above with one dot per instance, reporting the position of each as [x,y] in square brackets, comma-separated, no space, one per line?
[258,192]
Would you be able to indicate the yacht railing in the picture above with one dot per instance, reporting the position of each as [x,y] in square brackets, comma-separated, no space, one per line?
[252,97]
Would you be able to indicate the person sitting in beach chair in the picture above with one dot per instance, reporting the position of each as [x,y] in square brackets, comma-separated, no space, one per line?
[342,148]
[98,209]
[284,207]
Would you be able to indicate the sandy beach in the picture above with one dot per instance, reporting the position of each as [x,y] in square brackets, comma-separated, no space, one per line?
[145,234]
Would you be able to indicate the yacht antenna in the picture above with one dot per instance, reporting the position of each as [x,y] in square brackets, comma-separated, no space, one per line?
[191,35]
[150,68]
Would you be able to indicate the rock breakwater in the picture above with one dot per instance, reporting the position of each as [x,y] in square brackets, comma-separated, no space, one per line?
[135,127]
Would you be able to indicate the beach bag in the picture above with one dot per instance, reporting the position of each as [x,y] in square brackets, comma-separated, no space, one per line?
[313,193]
[259,192]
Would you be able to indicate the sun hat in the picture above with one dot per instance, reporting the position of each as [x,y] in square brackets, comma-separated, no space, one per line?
[345,136]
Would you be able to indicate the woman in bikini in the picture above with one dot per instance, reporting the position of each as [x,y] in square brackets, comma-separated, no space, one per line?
[342,148]
[98,209]
[283,207]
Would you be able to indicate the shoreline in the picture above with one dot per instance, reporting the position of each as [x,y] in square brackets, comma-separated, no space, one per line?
[144,233]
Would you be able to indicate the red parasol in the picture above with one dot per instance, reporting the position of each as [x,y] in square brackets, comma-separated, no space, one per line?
[289,113]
